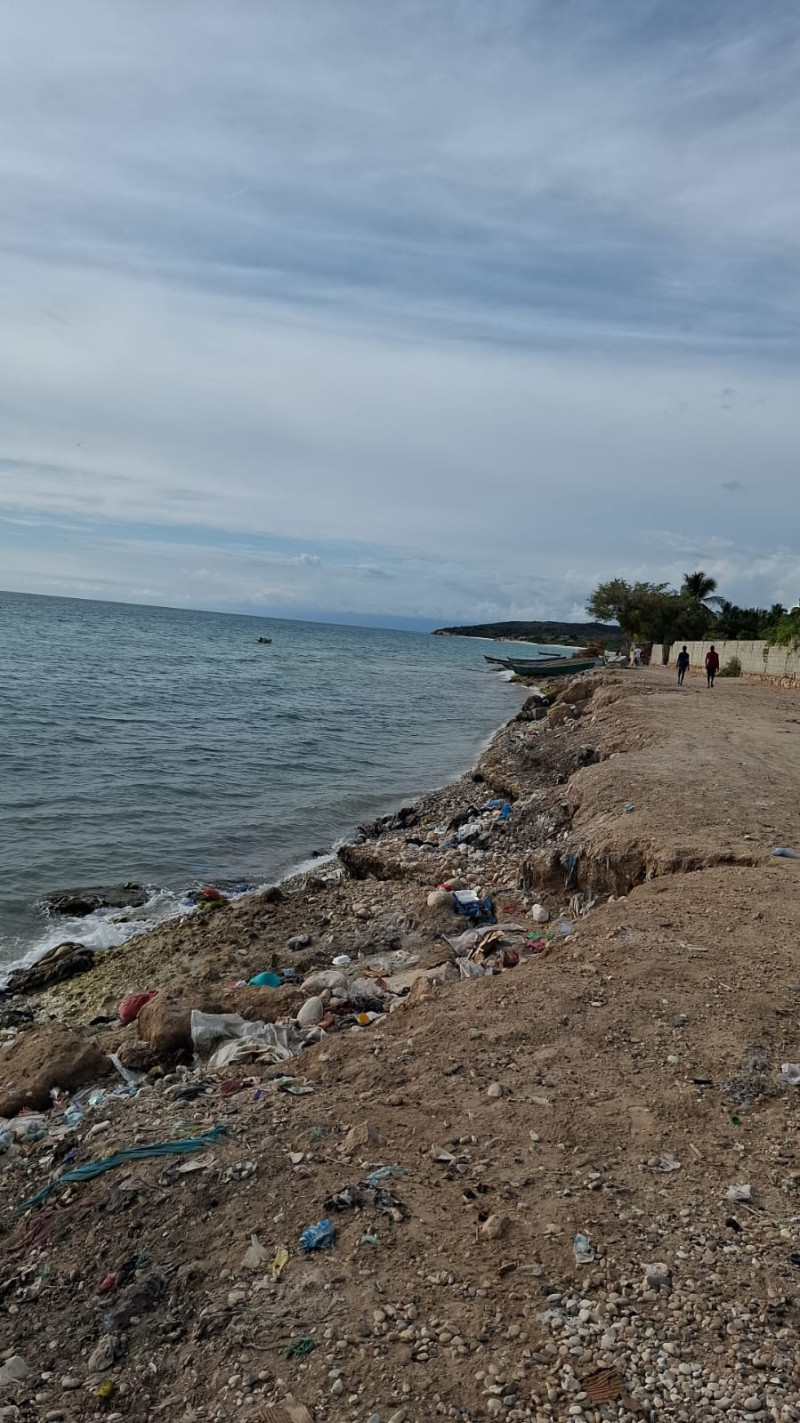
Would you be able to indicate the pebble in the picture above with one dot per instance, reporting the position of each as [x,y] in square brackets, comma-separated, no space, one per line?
[70,1383]
[495,1089]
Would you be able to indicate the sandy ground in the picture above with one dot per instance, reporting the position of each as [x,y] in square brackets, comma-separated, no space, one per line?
[617,1086]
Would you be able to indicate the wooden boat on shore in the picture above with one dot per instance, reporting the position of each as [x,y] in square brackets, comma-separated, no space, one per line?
[545,666]
[551,667]
[529,661]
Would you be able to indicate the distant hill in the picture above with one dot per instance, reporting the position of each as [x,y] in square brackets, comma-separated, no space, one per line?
[568,634]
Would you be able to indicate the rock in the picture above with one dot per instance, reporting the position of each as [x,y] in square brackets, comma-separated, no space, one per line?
[136,1055]
[165,1025]
[494,1227]
[44,1057]
[540,914]
[59,964]
[298,941]
[440,899]
[658,1276]
[103,1355]
[364,1134]
[80,902]
[495,1089]
[422,990]
[311,1013]
[14,1371]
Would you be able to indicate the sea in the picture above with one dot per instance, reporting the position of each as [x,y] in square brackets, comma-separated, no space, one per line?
[170,748]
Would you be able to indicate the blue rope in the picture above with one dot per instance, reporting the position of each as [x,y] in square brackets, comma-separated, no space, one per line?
[133,1153]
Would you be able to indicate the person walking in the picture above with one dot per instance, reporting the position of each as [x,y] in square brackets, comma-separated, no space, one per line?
[683,664]
[712,666]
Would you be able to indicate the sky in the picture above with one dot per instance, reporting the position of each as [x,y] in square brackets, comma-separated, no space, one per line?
[384,309]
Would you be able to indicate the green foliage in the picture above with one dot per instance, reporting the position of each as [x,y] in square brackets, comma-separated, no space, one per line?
[700,589]
[732,668]
[786,632]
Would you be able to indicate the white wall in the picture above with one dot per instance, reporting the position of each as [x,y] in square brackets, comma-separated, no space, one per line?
[756,659]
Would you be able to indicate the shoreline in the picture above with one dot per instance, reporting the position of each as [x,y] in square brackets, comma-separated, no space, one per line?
[183,911]
[546,1161]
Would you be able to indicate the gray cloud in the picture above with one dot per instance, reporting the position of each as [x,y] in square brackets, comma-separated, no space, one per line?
[478,290]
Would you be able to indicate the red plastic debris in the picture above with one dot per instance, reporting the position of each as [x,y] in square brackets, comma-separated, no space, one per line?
[130,1007]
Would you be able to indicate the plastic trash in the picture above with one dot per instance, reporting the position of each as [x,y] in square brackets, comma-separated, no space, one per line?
[385,1173]
[739,1193]
[341,960]
[130,1007]
[26,1129]
[321,1236]
[226,1038]
[300,1348]
[783,853]
[279,1262]
[468,903]
[255,1256]
[583,1250]
[789,1074]
[135,1153]
[265,980]
[133,1079]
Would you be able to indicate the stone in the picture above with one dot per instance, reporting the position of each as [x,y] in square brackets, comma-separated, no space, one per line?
[56,966]
[103,1355]
[364,1134]
[13,1371]
[80,902]
[44,1057]
[540,914]
[494,1227]
[440,899]
[494,1089]
[298,941]
[311,1013]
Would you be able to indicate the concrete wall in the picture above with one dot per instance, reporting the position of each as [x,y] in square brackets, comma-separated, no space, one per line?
[778,664]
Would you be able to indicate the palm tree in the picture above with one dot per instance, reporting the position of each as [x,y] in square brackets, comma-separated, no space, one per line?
[700,588]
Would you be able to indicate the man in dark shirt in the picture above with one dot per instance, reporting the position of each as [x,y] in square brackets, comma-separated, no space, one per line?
[683,664]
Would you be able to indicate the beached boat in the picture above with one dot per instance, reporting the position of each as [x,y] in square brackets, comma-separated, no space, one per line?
[551,667]
[531,661]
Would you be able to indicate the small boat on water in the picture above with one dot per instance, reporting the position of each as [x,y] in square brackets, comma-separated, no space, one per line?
[264,639]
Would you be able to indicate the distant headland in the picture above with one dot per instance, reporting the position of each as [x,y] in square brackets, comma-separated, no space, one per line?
[564,634]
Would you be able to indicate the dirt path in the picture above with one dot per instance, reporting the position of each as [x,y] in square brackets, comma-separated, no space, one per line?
[618,1086]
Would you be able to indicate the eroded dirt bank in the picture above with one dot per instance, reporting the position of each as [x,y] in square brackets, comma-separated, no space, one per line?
[619,1084]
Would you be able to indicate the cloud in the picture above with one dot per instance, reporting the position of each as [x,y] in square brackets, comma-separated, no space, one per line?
[459,303]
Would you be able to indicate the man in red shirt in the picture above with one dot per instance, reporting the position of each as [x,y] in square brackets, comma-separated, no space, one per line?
[712,665]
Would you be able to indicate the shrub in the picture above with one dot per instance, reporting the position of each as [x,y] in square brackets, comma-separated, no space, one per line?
[732,668]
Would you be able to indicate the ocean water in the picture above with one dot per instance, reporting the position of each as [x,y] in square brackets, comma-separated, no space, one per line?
[170,748]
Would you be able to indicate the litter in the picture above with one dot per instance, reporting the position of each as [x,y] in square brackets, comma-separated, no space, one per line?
[227,1038]
[783,853]
[265,980]
[606,1386]
[369,1239]
[133,1079]
[255,1256]
[136,1153]
[583,1250]
[789,1074]
[279,1262]
[468,903]
[739,1193]
[667,1163]
[341,960]
[130,1007]
[299,1348]
[384,1173]
[321,1236]
[345,1200]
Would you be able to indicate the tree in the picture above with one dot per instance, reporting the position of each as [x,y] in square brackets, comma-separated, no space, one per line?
[647,612]
[700,588]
